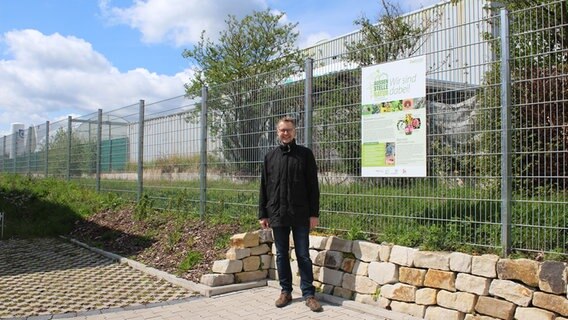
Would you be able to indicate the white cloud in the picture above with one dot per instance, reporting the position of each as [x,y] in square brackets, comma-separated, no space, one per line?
[178,21]
[47,76]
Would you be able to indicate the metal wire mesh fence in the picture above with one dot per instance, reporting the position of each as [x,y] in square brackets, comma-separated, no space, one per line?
[496,137]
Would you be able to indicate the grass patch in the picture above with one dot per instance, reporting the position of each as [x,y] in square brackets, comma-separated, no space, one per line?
[47,207]
[192,259]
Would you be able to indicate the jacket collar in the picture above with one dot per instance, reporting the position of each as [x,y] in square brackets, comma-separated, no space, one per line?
[287,147]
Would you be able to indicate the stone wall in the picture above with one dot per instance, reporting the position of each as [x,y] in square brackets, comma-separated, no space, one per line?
[430,285]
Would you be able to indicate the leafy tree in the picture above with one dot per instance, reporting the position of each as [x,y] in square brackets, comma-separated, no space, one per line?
[83,155]
[245,70]
[539,90]
[391,37]
[337,96]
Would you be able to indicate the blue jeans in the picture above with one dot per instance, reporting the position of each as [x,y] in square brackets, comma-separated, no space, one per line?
[301,245]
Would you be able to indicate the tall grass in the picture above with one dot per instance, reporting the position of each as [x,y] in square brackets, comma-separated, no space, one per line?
[47,207]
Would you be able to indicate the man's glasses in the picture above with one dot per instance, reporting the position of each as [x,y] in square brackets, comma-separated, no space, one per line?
[285,130]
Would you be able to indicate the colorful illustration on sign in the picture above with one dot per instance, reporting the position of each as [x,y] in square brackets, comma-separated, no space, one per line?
[408,124]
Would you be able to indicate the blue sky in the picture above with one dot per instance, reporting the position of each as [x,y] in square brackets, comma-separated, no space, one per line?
[72,57]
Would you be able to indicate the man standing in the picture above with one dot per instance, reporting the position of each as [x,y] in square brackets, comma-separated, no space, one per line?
[289,201]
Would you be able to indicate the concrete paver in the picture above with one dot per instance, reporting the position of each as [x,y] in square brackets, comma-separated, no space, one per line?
[56,279]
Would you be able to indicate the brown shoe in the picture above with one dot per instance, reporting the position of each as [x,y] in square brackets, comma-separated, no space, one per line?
[284,299]
[313,304]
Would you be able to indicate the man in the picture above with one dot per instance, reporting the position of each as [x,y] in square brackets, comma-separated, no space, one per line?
[289,201]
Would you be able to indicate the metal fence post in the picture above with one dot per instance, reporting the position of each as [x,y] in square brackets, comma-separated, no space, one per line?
[46,169]
[308,103]
[3,153]
[99,149]
[69,138]
[506,162]
[30,130]
[14,151]
[203,154]
[140,164]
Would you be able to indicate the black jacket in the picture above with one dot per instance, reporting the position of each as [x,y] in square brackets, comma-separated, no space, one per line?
[289,190]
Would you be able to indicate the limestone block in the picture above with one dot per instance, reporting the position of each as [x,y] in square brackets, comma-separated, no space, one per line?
[369,299]
[473,284]
[245,240]
[484,265]
[316,271]
[348,281]
[215,280]
[331,276]
[523,270]
[412,309]
[440,279]
[412,276]
[319,260]
[438,313]
[333,259]
[432,260]
[426,296]
[295,273]
[552,277]
[511,291]
[478,317]
[384,252]
[273,262]
[361,268]
[551,302]
[317,285]
[383,302]
[265,236]
[327,288]
[402,256]
[251,263]
[272,274]
[313,255]
[258,250]
[399,292]
[460,301]
[366,251]
[265,261]
[533,313]
[460,262]
[334,243]
[250,276]
[359,284]
[237,254]
[494,307]
[365,285]
[227,266]
[347,265]
[342,293]
[329,259]
[383,272]
[317,242]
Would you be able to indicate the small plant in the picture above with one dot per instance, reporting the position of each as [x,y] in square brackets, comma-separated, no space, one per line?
[222,241]
[355,233]
[143,207]
[192,259]
[173,239]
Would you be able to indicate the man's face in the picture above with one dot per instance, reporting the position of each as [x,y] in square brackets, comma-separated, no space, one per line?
[286,132]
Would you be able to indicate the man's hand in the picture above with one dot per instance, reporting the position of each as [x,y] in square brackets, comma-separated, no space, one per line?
[263,223]
[314,222]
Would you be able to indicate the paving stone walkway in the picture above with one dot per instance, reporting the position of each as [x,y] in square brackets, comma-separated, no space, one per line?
[43,279]
[52,276]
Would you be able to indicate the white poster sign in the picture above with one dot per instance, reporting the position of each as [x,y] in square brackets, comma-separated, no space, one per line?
[393,121]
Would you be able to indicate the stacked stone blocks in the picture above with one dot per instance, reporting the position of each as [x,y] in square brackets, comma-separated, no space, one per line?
[429,285]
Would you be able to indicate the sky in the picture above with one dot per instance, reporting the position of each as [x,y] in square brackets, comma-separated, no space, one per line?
[61,58]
